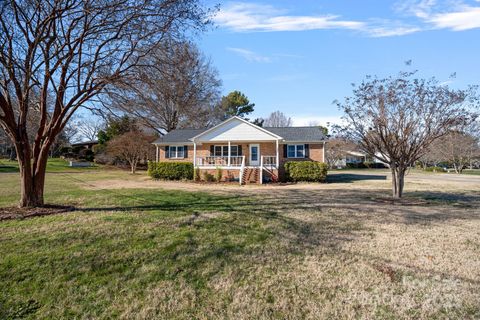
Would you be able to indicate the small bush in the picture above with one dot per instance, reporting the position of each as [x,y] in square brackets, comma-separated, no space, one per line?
[374,165]
[196,174]
[87,155]
[208,177]
[305,171]
[218,174]
[170,170]
[359,165]
[434,169]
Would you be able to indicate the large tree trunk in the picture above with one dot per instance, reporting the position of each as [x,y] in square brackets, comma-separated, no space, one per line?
[455,167]
[32,177]
[398,181]
[132,168]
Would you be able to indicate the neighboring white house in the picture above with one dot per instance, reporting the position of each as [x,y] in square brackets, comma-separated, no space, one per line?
[350,157]
[356,158]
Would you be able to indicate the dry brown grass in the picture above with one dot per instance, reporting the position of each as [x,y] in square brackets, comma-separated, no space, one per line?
[294,252]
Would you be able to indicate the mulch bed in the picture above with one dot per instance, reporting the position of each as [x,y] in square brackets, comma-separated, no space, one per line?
[10,213]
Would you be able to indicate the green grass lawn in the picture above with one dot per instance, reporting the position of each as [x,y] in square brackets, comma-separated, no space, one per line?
[475,172]
[153,253]
[53,165]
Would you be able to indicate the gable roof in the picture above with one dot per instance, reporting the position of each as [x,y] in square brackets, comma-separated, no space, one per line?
[241,121]
[285,134]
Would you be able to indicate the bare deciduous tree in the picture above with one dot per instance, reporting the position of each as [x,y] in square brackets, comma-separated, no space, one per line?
[175,86]
[459,148]
[336,150]
[277,119]
[433,156]
[88,128]
[397,118]
[132,147]
[56,56]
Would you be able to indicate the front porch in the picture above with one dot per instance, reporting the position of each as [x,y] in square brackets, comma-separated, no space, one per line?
[242,162]
[235,154]
[232,162]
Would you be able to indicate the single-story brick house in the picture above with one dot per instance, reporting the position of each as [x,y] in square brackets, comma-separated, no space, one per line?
[244,151]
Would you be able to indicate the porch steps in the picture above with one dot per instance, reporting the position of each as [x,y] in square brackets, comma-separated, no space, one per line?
[251,175]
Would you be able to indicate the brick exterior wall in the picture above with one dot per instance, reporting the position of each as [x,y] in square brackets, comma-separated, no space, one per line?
[266,149]
[315,153]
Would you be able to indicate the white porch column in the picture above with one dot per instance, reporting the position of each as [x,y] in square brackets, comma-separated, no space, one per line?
[323,152]
[194,154]
[229,153]
[278,159]
[157,153]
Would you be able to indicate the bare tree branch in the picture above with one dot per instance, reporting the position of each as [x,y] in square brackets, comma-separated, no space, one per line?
[397,118]
[56,56]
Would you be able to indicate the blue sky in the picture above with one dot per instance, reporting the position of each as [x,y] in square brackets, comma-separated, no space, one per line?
[299,56]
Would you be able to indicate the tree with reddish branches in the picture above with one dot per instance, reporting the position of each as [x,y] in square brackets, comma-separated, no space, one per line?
[57,56]
[132,147]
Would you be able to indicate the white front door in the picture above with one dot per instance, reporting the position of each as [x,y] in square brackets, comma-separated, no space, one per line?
[254,155]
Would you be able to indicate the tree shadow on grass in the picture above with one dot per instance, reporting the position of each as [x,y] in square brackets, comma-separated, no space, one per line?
[351,177]
[195,247]
[433,207]
[463,199]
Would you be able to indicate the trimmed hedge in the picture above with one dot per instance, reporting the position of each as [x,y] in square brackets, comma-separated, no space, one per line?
[434,169]
[170,170]
[305,171]
[359,165]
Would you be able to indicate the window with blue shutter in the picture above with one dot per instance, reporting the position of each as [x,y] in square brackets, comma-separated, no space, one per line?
[297,150]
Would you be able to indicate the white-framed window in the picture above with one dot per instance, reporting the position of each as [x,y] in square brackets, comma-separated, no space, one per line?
[296,151]
[176,152]
[222,151]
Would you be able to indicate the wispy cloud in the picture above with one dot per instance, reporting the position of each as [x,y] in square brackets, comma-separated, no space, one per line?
[429,14]
[389,28]
[250,55]
[244,17]
[456,15]
[418,8]
[464,18]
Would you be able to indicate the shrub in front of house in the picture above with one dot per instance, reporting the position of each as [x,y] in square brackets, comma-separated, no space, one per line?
[170,170]
[359,165]
[311,171]
[218,174]
[196,174]
[208,177]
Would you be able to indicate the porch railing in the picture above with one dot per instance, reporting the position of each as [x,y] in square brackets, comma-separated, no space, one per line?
[220,161]
[269,161]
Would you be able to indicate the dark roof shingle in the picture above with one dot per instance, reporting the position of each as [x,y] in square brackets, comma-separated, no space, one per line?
[179,135]
[298,134]
[293,134]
